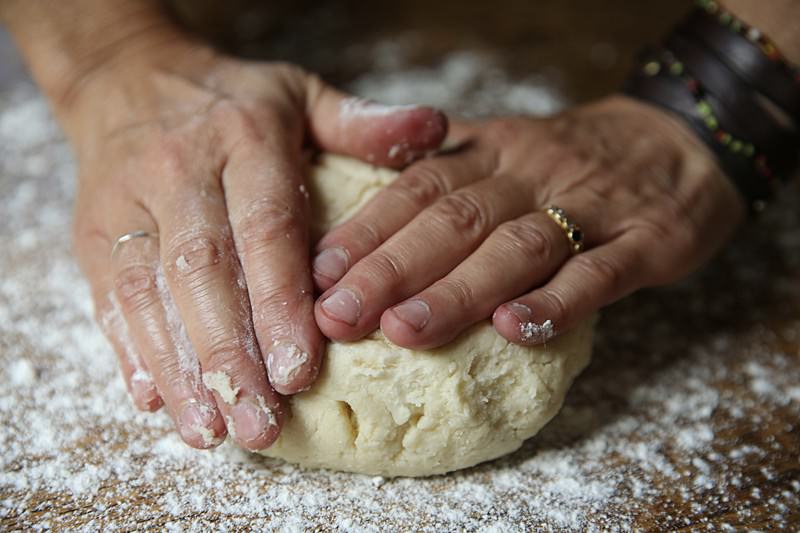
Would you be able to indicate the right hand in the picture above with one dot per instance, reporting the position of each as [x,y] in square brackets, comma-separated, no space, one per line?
[203,152]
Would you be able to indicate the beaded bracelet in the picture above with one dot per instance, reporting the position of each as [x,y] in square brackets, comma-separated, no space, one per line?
[731,85]
[764,43]
[668,64]
[654,84]
[774,143]
[748,54]
[750,116]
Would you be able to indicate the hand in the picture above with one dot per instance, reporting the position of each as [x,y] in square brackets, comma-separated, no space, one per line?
[463,236]
[204,154]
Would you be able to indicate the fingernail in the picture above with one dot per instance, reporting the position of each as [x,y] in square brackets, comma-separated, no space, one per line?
[415,313]
[252,421]
[343,306]
[196,419]
[331,263]
[521,311]
[284,362]
[144,394]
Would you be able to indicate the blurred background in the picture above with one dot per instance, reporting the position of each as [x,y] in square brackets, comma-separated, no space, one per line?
[579,48]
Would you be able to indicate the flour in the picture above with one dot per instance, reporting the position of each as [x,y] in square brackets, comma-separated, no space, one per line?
[531,331]
[221,382]
[469,84]
[22,373]
[284,362]
[647,421]
[356,107]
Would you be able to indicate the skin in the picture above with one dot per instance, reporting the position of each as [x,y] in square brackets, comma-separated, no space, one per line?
[210,311]
[643,188]
[421,260]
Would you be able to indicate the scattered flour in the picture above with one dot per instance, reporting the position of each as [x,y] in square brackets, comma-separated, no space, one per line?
[644,438]
[467,83]
[357,107]
[22,373]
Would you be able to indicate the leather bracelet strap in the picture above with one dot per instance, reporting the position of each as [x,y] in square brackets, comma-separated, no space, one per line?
[730,89]
[736,106]
[745,59]
[671,94]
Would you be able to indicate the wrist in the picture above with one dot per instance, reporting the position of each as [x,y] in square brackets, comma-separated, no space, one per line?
[670,134]
[68,44]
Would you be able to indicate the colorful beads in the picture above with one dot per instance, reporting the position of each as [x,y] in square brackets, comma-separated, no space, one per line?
[671,65]
[767,47]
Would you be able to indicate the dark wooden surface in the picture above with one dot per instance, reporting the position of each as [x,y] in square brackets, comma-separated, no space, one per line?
[584,48]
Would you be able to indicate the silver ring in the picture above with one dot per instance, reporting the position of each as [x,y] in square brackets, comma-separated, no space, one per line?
[129,237]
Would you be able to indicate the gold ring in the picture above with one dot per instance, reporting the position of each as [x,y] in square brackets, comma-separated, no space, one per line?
[573,231]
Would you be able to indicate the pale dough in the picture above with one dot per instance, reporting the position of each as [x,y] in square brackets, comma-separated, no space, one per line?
[380,409]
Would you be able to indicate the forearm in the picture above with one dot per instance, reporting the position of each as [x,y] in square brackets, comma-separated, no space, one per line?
[778,19]
[65,43]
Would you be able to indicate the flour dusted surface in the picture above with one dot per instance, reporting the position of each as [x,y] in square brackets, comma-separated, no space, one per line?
[688,415]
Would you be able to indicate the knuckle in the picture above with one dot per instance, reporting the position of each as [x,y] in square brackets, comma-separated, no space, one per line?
[170,156]
[233,117]
[135,287]
[528,239]
[385,268]
[463,212]
[557,304]
[367,236]
[611,274]
[291,73]
[683,228]
[192,257]
[269,303]
[421,186]
[458,292]
[504,131]
[167,364]
[224,353]
[266,221]
[245,124]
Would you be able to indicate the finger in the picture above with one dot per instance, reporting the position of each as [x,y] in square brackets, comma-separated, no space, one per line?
[206,280]
[518,255]
[419,254]
[156,332]
[92,251]
[392,208]
[385,135]
[137,376]
[268,209]
[586,282]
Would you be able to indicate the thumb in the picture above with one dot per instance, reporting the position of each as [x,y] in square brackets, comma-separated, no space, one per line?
[385,135]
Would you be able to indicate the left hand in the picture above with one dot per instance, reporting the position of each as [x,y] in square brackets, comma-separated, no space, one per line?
[463,236]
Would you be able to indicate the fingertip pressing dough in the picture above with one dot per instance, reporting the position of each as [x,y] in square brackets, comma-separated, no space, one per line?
[380,409]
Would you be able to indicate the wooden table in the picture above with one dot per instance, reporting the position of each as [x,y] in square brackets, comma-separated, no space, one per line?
[687,419]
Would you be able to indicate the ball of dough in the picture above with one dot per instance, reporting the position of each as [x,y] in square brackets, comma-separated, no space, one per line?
[380,409]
